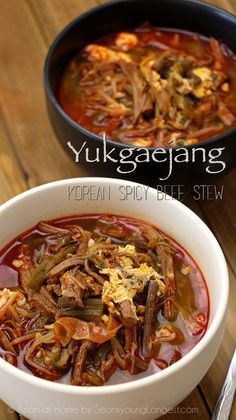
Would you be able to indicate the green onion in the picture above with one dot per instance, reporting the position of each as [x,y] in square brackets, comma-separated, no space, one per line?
[92,310]
[37,277]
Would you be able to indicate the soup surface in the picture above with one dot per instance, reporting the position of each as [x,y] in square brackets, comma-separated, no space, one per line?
[97,299]
[152,87]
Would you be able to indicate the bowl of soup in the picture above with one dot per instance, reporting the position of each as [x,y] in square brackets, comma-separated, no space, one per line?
[105,299]
[134,90]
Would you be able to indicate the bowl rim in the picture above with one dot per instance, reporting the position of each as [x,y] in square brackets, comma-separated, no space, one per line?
[158,376]
[215,10]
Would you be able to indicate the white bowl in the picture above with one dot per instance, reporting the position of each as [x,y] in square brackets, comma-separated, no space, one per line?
[151,396]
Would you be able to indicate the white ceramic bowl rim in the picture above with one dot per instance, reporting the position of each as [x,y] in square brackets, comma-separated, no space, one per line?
[139,383]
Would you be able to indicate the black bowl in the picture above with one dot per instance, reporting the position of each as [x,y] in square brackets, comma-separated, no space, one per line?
[114,16]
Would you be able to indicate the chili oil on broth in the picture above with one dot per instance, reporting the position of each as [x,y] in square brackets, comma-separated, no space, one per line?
[152,87]
[188,321]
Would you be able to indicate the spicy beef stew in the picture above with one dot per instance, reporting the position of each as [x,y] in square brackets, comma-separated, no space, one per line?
[152,87]
[93,299]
